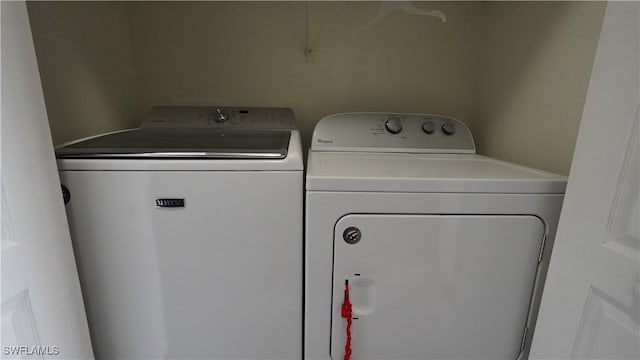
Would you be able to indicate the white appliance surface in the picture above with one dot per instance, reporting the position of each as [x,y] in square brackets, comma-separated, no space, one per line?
[189,258]
[351,171]
[453,246]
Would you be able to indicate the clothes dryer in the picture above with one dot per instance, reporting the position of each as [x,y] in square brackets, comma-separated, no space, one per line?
[443,251]
[187,233]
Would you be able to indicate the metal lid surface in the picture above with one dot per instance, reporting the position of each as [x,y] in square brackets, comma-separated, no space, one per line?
[181,143]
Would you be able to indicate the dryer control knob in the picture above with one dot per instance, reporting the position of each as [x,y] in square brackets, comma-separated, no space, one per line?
[448,128]
[393,125]
[428,127]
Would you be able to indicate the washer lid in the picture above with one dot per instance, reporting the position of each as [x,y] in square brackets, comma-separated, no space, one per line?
[183,143]
[401,172]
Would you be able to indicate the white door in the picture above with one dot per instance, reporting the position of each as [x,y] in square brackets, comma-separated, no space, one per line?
[591,303]
[435,286]
[42,311]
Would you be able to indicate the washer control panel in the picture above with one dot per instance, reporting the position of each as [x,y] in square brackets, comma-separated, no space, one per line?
[220,118]
[392,132]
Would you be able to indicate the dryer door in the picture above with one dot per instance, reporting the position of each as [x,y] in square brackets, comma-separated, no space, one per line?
[434,286]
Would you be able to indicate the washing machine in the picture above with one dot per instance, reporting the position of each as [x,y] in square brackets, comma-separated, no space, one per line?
[187,233]
[441,252]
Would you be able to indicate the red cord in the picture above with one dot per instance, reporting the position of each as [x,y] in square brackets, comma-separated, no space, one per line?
[347,314]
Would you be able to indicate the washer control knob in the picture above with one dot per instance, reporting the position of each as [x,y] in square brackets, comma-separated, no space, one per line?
[429,127]
[393,125]
[221,116]
[448,128]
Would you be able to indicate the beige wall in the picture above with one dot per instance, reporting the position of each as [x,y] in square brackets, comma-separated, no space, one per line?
[86,65]
[537,61]
[252,54]
[503,68]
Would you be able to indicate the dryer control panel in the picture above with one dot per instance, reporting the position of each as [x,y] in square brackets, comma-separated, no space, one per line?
[392,132]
